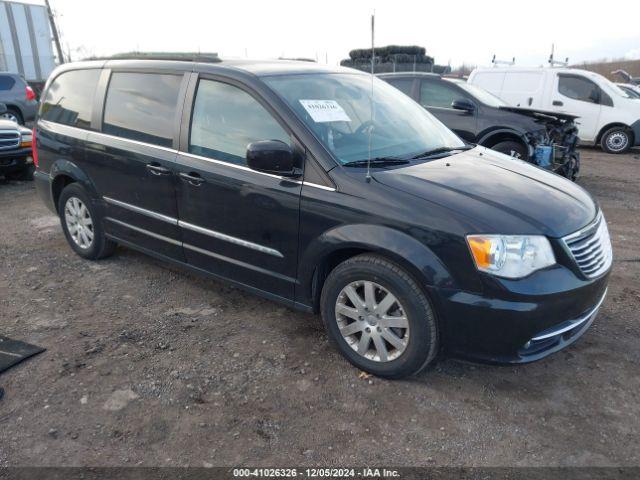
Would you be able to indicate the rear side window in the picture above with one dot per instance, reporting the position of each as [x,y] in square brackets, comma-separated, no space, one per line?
[69,99]
[226,119]
[142,107]
[578,88]
[403,84]
[6,83]
[438,94]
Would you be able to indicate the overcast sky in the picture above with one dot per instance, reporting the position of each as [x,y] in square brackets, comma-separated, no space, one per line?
[452,31]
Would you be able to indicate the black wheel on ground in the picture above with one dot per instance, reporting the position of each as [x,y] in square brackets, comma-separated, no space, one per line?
[26,174]
[82,224]
[616,140]
[13,114]
[513,149]
[379,317]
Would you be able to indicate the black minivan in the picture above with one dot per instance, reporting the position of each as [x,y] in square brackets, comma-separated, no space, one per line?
[293,181]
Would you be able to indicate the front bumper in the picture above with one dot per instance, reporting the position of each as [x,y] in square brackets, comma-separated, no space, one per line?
[15,160]
[545,313]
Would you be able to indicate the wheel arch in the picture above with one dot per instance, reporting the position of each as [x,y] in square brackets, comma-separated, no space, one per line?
[65,172]
[493,137]
[344,242]
[15,107]
[612,125]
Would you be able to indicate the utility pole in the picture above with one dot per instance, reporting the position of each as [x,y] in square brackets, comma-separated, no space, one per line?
[54,29]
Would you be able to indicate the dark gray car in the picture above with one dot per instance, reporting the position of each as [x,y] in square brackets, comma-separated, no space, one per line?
[19,98]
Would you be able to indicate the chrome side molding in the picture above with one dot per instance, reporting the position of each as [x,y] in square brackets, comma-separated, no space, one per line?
[188,226]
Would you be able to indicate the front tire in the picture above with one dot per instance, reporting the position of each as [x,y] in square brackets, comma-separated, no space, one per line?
[379,317]
[82,224]
[616,140]
[513,149]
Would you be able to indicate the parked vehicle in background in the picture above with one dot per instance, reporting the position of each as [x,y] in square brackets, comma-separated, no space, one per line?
[547,139]
[16,161]
[25,41]
[18,97]
[278,177]
[630,89]
[608,117]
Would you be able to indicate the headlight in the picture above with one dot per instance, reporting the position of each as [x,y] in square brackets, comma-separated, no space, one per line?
[510,256]
[25,140]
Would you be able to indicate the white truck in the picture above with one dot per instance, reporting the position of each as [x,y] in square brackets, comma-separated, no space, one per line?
[25,41]
[608,116]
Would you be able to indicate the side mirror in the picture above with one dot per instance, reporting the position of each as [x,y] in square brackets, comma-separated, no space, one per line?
[271,156]
[3,109]
[464,105]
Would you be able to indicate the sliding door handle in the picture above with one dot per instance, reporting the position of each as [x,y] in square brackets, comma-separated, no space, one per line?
[193,178]
[158,169]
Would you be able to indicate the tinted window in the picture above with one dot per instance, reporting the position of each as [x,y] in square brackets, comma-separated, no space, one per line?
[226,119]
[6,83]
[438,94]
[403,84]
[142,107]
[578,88]
[69,98]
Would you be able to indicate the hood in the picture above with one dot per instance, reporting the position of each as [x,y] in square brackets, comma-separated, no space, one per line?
[8,125]
[496,193]
[541,114]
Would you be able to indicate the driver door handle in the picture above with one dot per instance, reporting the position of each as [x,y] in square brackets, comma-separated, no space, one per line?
[193,178]
[557,103]
[157,169]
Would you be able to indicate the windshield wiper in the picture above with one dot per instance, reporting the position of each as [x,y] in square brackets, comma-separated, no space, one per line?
[441,150]
[377,162]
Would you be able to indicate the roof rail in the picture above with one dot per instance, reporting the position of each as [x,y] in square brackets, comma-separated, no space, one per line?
[170,56]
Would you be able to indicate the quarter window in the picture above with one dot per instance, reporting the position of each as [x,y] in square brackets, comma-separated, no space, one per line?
[578,88]
[226,119]
[69,99]
[436,94]
[6,83]
[142,107]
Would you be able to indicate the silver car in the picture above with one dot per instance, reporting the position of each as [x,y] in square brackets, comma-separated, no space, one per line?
[19,98]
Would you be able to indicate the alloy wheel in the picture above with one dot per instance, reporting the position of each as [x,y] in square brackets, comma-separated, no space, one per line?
[79,222]
[372,321]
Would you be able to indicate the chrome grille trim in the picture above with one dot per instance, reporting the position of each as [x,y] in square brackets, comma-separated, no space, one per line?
[9,139]
[590,248]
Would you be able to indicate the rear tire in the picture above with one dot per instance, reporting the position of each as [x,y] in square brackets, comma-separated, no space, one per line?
[616,140]
[13,114]
[513,149]
[390,337]
[82,224]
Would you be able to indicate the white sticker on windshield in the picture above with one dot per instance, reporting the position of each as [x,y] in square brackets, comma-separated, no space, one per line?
[325,111]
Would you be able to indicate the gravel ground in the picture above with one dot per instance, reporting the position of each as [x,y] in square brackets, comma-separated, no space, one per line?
[147,364]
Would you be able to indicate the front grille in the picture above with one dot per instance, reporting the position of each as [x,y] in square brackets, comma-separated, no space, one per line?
[591,248]
[9,139]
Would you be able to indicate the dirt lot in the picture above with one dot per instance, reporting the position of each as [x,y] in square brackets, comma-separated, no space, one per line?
[148,364]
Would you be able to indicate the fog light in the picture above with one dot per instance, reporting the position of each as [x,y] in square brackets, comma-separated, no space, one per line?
[29,160]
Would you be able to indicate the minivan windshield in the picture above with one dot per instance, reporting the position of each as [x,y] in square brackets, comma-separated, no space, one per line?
[341,111]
